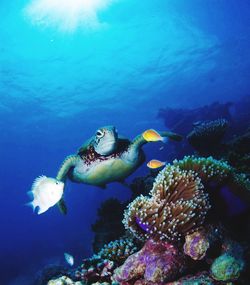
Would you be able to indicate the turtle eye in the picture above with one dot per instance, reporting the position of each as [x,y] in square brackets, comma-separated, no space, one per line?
[99,134]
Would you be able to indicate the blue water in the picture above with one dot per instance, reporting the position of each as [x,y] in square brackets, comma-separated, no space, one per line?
[58,85]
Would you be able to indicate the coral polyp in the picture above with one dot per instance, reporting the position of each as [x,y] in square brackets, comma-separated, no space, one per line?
[177,205]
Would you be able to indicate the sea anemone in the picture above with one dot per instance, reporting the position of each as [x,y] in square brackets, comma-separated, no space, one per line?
[207,168]
[177,205]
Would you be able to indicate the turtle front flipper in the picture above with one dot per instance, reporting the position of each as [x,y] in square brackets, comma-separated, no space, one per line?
[69,162]
[171,136]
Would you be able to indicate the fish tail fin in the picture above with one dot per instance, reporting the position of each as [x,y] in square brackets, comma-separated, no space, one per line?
[31,204]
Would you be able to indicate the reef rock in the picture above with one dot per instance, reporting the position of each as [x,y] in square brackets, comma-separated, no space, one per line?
[156,262]
[206,136]
[201,278]
[226,268]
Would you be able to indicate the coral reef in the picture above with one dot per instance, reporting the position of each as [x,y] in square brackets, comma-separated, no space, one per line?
[118,250]
[181,120]
[177,232]
[156,262]
[178,204]
[201,278]
[207,135]
[95,269]
[108,226]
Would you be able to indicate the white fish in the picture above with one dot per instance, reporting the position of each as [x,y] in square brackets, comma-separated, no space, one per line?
[69,259]
[46,193]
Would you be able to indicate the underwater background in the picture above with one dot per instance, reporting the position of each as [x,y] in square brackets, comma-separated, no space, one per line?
[127,64]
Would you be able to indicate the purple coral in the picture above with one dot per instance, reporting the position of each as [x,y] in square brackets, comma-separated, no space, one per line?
[196,245]
[156,262]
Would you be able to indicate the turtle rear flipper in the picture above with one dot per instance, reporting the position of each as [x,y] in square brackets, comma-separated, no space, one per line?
[62,206]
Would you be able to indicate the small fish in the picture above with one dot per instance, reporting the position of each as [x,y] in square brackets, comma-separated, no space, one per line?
[46,192]
[154,163]
[161,148]
[69,258]
[153,136]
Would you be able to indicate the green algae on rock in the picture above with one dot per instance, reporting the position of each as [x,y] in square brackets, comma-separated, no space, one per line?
[226,268]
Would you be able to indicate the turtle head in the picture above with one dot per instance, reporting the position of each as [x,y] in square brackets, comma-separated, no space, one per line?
[105,141]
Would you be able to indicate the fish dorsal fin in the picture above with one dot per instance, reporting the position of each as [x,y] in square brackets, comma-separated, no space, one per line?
[38,181]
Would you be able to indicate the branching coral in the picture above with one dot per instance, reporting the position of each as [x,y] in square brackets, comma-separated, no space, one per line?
[177,206]
[118,250]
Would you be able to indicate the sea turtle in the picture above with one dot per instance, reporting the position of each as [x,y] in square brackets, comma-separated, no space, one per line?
[107,157]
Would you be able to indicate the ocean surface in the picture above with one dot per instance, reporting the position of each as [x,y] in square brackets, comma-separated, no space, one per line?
[66,71]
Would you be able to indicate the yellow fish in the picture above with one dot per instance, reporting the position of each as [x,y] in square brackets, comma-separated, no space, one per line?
[154,164]
[152,136]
